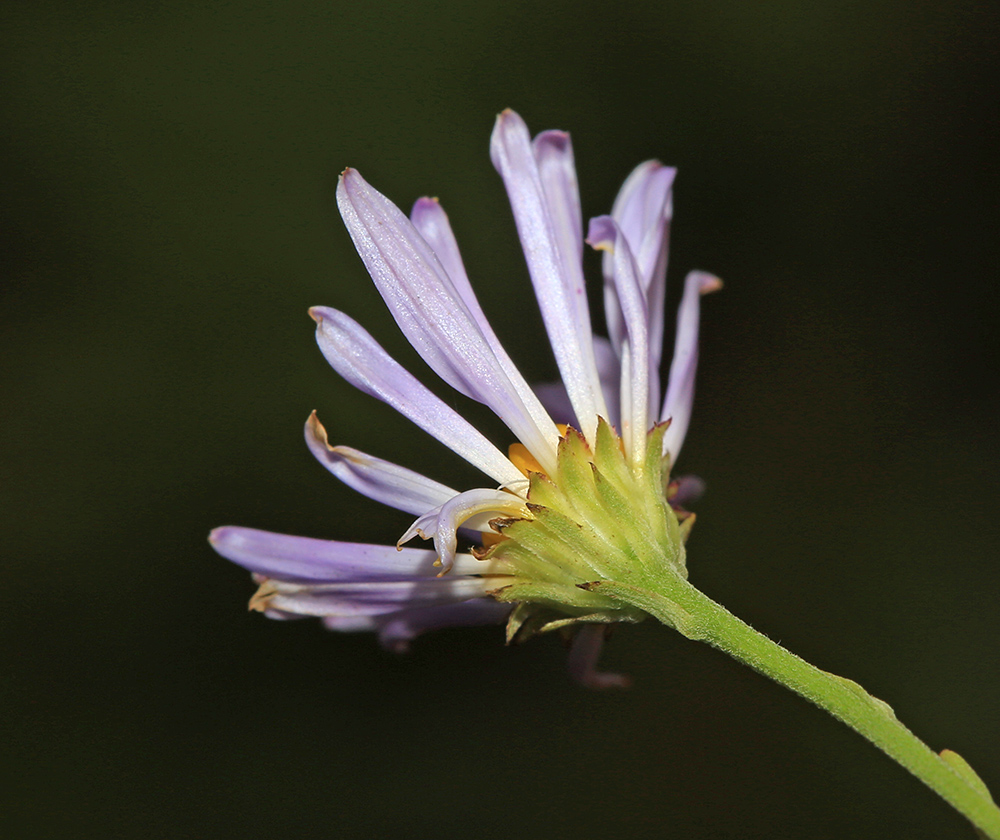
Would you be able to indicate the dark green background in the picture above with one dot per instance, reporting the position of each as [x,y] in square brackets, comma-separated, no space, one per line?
[168,216]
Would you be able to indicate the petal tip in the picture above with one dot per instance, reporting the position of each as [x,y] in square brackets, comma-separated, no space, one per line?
[341,186]
[349,184]
[708,283]
[316,431]
[601,233]
[508,116]
[554,137]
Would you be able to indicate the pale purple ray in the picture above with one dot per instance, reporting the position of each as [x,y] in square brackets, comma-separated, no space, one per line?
[636,373]
[643,210]
[680,387]
[556,273]
[557,170]
[356,356]
[442,525]
[431,222]
[370,597]
[396,630]
[583,656]
[436,319]
[380,480]
[307,560]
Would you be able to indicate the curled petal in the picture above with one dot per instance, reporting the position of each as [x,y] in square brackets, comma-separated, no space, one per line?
[557,275]
[680,387]
[306,560]
[436,319]
[464,507]
[470,505]
[380,480]
[356,356]
[424,526]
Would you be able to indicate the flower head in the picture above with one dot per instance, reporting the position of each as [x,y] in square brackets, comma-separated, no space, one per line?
[570,504]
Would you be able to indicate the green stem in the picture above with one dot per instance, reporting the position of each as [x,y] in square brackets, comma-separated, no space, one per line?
[678,604]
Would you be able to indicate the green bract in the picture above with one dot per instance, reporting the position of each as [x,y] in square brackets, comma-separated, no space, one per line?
[597,520]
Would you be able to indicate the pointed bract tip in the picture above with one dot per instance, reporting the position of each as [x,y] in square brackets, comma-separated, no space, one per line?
[315,314]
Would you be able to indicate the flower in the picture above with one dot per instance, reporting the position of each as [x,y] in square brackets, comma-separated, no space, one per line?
[569,506]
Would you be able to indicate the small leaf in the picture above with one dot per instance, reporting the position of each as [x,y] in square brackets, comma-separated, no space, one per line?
[969,776]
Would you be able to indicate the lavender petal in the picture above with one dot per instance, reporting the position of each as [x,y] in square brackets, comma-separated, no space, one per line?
[398,629]
[369,598]
[472,509]
[307,560]
[380,480]
[356,356]
[435,317]
[553,153]
[636,372]
[680,387]
[556,276]
[643,210]
[583,656]
[556,401]
[690,488]
[431,222]
[466,506]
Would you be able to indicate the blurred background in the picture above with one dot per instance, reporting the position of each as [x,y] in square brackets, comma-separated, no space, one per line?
[169,215]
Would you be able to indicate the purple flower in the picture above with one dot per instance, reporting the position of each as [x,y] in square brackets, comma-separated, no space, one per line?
[519,566]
